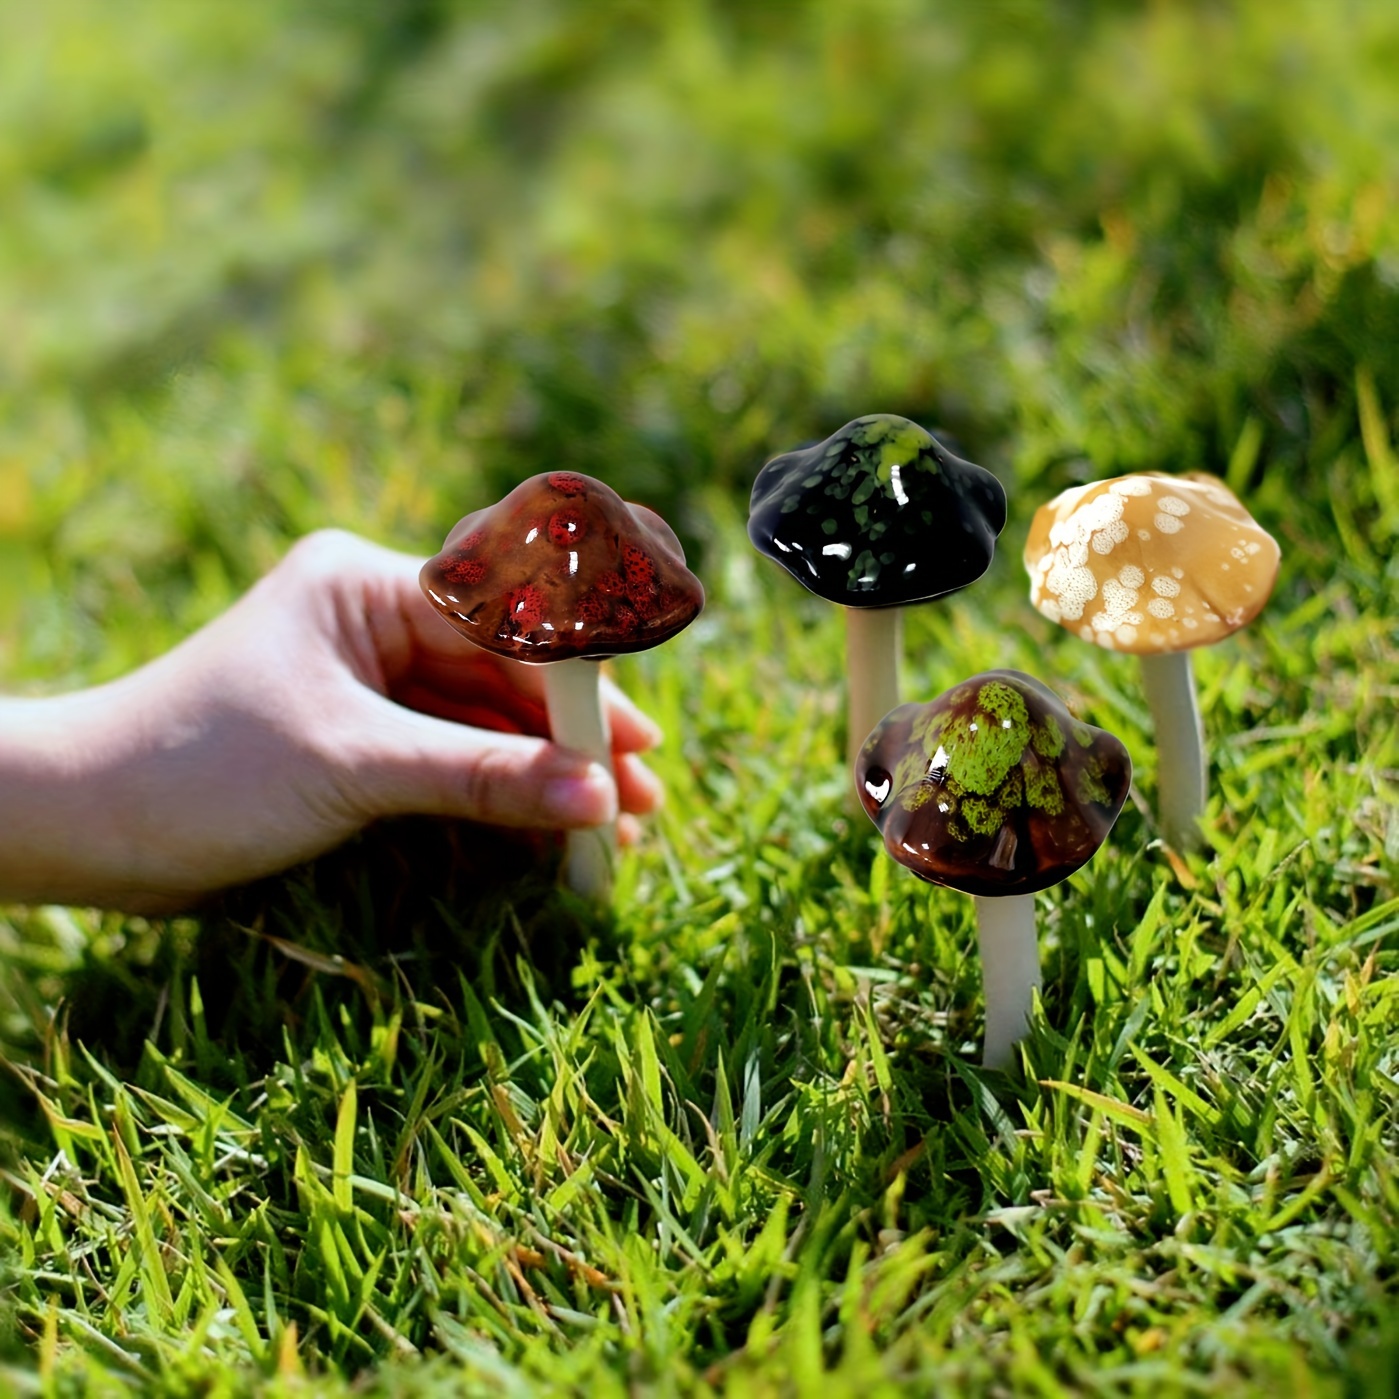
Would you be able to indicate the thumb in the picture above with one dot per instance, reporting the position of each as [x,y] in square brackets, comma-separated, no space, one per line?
[411,763]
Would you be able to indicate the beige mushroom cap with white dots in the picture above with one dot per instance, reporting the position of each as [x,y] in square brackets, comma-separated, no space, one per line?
[1150,562]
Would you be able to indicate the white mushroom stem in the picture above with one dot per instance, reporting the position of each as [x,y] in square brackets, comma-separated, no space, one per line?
[573,695]
[1010,970]
[1180,746]
[873,644]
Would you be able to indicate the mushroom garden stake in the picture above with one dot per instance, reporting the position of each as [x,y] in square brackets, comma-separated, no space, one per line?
[1155,565]
[995,789]
[563,571]
[876,516]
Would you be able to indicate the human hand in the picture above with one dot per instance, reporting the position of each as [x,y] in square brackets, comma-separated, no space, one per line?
[329,696]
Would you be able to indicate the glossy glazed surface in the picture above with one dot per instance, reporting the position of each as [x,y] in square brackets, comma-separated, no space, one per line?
[1150,563]
[877,515]
[993,787]
[563,567]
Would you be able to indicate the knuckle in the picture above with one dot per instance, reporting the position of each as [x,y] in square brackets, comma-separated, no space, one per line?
[473,789]
[322,554]
[483,785]
[498,787]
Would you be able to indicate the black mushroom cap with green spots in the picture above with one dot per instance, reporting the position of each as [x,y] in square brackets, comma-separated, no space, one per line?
[993,787]
[878,515]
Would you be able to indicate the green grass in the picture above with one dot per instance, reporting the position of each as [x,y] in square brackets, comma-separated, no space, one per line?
[741,1140]
[409,1120]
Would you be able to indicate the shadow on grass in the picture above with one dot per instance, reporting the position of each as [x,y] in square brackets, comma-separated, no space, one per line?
[402,913]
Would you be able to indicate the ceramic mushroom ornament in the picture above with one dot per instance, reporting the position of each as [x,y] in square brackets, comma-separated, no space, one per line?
[994,789]
[877,516]
[1155,565]
[562,573]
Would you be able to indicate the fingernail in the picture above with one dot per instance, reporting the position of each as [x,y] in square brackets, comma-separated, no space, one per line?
[588,798]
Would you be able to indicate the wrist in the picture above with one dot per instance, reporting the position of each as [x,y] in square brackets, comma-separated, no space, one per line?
[61,817]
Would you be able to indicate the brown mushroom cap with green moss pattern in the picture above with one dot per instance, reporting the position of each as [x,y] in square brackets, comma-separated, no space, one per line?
[993,787]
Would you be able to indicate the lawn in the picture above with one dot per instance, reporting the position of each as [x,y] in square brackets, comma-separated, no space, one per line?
[411,1120]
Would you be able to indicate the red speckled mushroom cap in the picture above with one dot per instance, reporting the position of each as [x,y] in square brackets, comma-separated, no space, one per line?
[563,567]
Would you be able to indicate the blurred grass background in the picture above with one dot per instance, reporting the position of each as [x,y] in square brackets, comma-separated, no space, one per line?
[279,265]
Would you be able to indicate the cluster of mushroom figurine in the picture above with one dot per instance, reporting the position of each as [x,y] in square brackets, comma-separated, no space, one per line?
[993,788]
